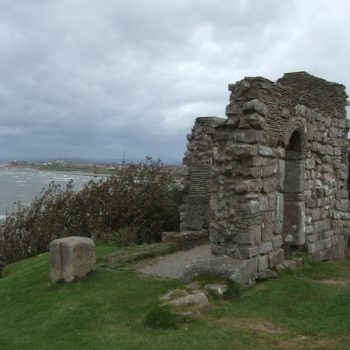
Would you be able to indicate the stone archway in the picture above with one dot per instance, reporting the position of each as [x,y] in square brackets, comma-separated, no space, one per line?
[293,188]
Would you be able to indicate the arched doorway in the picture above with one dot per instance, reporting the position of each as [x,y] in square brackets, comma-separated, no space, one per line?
[293,188]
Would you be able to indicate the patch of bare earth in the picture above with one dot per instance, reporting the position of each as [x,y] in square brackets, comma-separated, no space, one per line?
[278,338]
[335,282]
[250,324]
[309,343]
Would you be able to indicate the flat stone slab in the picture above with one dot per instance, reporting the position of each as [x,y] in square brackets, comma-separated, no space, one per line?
[173,265]
[71,257]
[244,272]
[197,261]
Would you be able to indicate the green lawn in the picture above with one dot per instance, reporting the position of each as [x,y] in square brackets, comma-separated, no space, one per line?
[309,309]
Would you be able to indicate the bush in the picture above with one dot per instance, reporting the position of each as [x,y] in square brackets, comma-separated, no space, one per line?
[137,205]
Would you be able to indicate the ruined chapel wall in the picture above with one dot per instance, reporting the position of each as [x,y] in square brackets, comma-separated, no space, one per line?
[248,198]
[194,213]
[246,208]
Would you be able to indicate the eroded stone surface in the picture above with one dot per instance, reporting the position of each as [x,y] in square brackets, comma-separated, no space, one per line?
[71,257]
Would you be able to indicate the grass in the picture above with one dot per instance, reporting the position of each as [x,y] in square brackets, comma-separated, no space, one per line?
[109,308]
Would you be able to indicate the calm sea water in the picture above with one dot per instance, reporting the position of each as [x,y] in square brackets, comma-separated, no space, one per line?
[24,184]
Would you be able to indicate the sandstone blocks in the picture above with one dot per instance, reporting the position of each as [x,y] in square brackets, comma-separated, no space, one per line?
[71,258]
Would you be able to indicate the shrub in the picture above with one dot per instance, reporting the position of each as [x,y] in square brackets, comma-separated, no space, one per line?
[137,204]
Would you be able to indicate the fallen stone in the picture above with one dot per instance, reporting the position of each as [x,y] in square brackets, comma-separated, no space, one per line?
[173,294]
[239,271]
[299,262]
[193,285]
[71,258]
[286,264]
[263,275]
[198,299]
[217,289]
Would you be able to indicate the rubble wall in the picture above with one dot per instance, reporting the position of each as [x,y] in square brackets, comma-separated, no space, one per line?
[195,213]
[255,213]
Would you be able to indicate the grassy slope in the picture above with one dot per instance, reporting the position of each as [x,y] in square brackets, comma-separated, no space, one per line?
[106,311]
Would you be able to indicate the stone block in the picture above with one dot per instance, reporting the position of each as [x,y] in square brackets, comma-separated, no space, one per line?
[248,252]
[249,207]
[251,236]
[265,151]
[276,257]
[339,248]
[258,122]
[263,263]
[263,275]
[239,150]
[267,227]
[265,247]
[270,170]
[71,258]
[277,241]
[279,213]
[264,202]
[271,184]
[255,106]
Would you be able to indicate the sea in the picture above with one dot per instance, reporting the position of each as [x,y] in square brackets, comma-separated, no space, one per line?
[24,184]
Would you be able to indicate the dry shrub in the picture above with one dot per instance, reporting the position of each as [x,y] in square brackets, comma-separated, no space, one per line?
[138,203]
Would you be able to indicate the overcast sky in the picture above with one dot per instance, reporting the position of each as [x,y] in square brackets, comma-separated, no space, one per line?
[95,79]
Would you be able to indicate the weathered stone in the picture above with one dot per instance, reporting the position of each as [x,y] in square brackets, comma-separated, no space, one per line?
[263,275]
[256,121]
[265,247]
[240,150]
[263,263]
[286,264]
[299,262]
[199,299]
[277,241]
[240,271]
[265,151]
[71,258]
[275,257]
[270,184]
[217,289]
[252,236]
[174,294]
[255,106]
[279,213]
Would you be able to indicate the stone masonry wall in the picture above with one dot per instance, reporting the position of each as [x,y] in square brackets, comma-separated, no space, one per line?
[194,214]
[252,208]
[275,172]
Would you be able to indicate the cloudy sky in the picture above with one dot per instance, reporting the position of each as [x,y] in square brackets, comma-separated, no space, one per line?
[95,79]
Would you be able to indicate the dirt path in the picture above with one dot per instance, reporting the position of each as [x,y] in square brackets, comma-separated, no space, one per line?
[173,265]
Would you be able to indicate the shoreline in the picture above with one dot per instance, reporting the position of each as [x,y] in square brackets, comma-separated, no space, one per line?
[63,171]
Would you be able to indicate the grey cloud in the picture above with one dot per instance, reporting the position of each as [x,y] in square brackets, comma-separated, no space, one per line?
[97,78]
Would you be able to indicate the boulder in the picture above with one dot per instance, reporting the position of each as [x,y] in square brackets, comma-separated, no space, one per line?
[71,258]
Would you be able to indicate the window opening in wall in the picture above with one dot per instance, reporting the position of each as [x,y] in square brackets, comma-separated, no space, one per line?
[293,188]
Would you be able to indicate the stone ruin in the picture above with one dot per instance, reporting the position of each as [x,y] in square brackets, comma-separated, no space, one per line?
[272,177]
